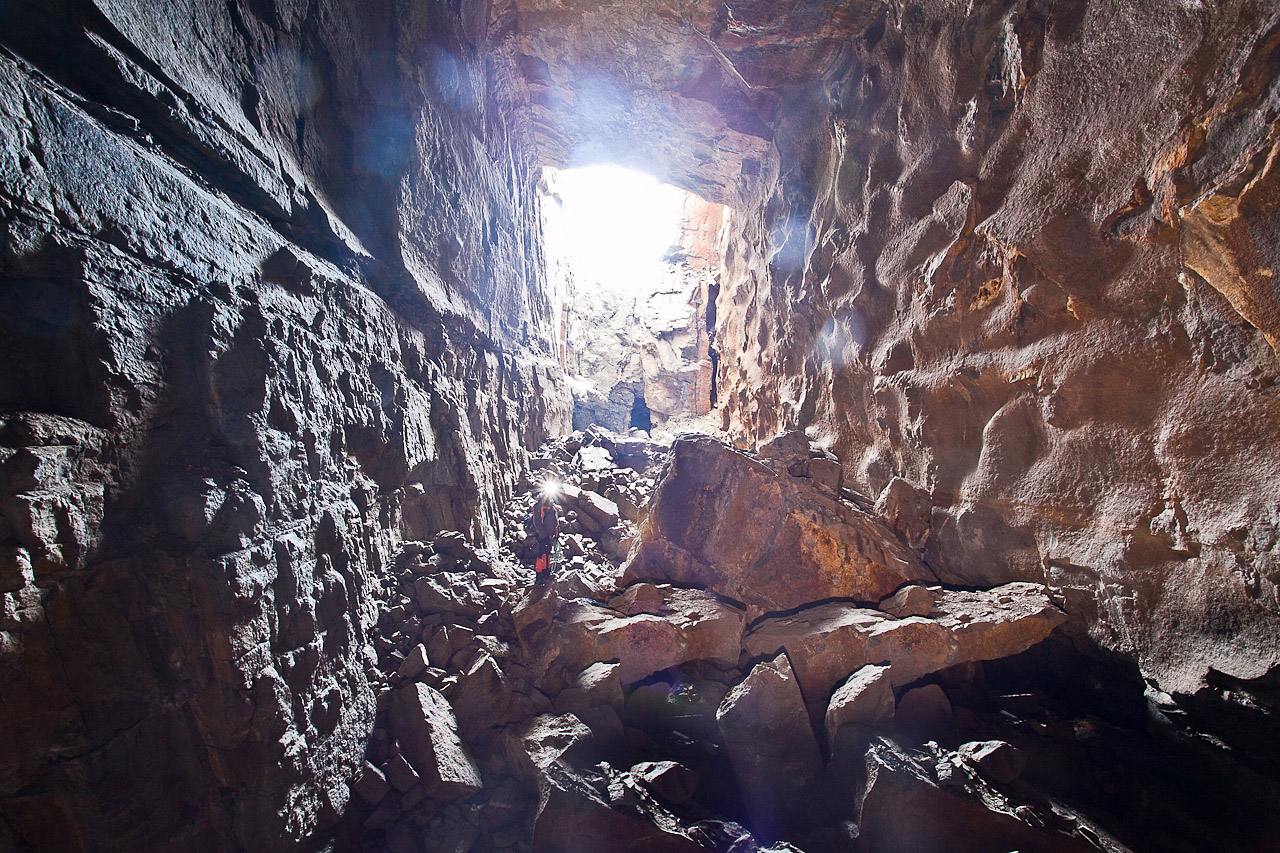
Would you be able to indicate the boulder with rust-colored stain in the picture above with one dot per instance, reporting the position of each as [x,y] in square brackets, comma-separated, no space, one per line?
[725,521]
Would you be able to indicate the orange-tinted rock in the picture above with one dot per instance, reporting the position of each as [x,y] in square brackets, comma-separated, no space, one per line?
[725,521]
[771,744]
[829,641]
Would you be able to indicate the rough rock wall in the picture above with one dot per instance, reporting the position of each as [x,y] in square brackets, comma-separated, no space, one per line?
[267,308]
[1022,270]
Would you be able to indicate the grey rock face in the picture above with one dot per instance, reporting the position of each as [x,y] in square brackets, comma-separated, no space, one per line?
[424,724]
[251,341]
[770,741]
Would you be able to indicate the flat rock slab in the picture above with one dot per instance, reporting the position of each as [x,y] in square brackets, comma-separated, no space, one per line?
[722,520]
[772,747]
[649,628]
[424,724]
[829,641]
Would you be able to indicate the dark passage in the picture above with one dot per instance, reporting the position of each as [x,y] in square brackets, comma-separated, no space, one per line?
[713,293]
[640,417]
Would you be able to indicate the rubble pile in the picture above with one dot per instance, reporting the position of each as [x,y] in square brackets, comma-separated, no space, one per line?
[625,705]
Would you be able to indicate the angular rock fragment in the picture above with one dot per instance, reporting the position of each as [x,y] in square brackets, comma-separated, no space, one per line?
[481,698]
[866,699]
[453,594]
[997,760]
[400,773]
[924,712]
[671,781]
[598,512]
[902,809]
[906,509]
[452,543]
[724,521]
[998,622]
[649,628]
[598,684]
[772,747]
[574,810]
[911,600]
[424,724]
[414,664]
[594,459]
[830,641]
[371,784]
[636,453]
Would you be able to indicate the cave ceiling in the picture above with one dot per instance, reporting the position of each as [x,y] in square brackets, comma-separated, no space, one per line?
[687,91]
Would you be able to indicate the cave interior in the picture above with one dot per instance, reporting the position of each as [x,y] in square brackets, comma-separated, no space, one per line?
[918,492]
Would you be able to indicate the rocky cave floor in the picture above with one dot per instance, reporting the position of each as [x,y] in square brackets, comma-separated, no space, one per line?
[594,713]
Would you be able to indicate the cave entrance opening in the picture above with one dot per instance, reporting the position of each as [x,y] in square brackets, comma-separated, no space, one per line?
[641,418]
[636,265]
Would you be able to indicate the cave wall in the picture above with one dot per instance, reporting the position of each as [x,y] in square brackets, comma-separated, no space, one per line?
[1018,275]
[1012,261]
[270,302]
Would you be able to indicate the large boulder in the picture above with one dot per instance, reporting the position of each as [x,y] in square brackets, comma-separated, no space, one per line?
[829,641]
[723,520]
[903,811]
[576,794]
[772,747]
[423,723]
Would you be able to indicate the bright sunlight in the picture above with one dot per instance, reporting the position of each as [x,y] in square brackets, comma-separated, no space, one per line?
[615,224]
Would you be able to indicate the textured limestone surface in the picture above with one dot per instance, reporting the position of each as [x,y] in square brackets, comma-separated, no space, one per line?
[1021,270]
[264,272]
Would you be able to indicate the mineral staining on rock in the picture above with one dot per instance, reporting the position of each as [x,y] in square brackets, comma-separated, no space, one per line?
[728,522]
[280,355]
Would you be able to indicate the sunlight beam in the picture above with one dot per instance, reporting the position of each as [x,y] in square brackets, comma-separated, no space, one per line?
[616,225]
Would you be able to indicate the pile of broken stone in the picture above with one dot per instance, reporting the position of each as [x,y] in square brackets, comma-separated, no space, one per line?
[737,656]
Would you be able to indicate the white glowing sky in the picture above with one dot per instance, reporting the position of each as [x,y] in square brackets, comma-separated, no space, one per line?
[617,225]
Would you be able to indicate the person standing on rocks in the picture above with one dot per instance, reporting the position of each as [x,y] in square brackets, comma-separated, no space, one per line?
[546,527]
